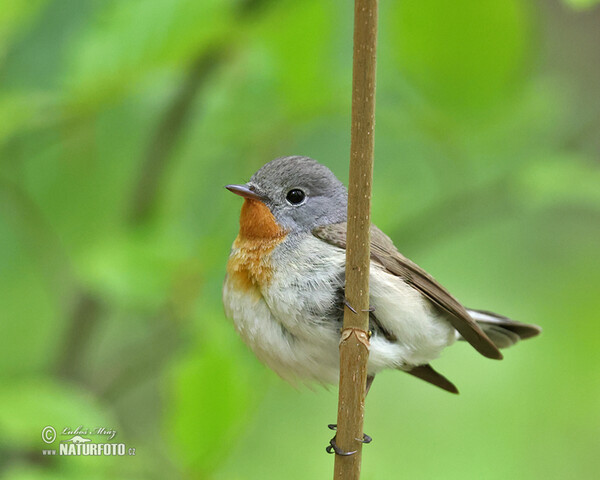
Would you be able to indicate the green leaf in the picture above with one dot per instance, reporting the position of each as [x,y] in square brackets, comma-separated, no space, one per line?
[464,54]
[31,325]
[300,56]
[133,269]
[30,405]
[14,16]
[133,38]
[24,111]
[213,389]
[562,179]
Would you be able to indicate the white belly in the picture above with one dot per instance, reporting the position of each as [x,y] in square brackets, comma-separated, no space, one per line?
[287,326]
[282,325]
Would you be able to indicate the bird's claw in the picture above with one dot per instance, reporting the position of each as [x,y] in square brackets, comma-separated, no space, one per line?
[353,310]
[350,307]
[333,448]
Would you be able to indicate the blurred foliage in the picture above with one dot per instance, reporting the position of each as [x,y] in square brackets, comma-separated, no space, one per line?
[120,121]
[581,3]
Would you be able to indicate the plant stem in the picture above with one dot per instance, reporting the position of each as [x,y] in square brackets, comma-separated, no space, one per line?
[354,345]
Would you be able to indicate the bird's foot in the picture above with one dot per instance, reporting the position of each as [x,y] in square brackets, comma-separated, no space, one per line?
[353,310]
[333,448]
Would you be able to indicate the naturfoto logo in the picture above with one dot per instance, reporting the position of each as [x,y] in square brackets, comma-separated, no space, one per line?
[79,445]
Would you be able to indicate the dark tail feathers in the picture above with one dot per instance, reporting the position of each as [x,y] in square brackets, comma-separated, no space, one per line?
[503,331]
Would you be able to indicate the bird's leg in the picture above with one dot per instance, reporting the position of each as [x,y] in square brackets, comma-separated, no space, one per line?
[370,379]
[332,447]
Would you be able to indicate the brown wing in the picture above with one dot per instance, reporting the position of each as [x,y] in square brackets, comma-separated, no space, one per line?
[385,253]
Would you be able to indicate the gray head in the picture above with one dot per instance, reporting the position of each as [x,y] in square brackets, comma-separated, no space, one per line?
[301,193]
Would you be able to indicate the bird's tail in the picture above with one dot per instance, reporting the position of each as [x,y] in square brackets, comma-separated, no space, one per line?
[503,331]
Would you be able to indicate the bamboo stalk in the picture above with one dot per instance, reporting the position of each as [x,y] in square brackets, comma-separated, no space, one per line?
[354,344]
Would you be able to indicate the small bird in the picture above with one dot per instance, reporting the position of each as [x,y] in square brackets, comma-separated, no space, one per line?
[284,287]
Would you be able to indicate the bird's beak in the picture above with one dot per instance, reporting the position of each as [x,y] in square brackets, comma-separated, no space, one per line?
[244,191]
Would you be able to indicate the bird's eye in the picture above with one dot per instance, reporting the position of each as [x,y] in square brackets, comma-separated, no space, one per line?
[295,196]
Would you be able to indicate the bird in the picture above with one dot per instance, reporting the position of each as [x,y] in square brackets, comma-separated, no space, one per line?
[285,278]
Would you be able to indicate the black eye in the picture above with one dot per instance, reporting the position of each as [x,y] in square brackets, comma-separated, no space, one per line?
[295,196]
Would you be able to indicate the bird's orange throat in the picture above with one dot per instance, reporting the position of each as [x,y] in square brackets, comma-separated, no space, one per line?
[249,266]
[258,223]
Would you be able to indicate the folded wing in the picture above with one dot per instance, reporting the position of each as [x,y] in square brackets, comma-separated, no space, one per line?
[385,253]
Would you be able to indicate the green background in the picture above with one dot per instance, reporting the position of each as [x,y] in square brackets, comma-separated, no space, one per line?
[120,122]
